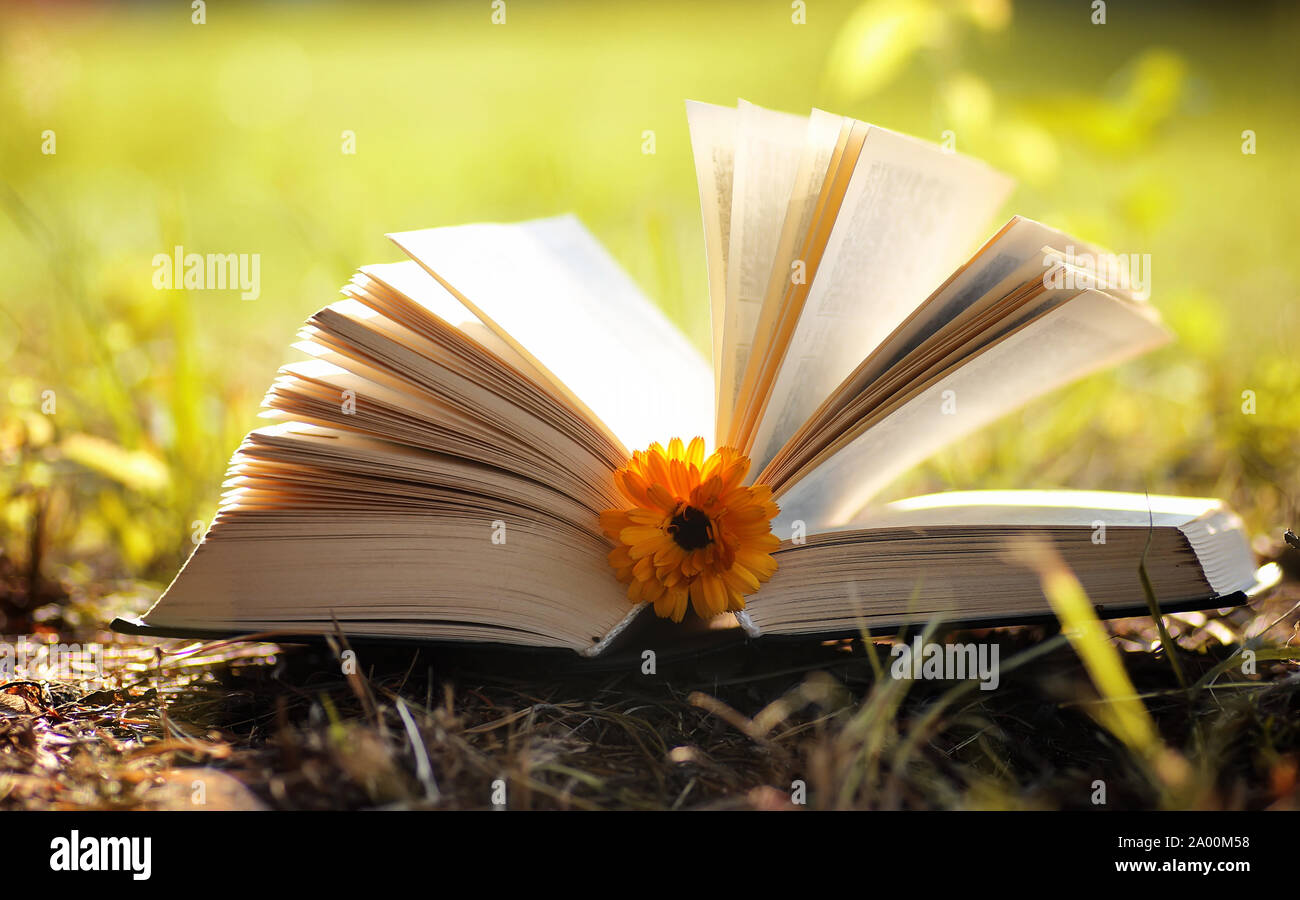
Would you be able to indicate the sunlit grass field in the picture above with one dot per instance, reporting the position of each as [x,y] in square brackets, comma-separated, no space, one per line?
[228,137]
[129,130]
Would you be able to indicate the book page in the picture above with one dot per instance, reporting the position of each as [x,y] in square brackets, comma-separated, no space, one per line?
[819,186]
[411,281]
[993,283]
[1091,331]
[909,217]
[1027,507]
[769,149]
[867,394]
[835,584]
[550,291]
[982,280]
[713,144]
[1019,241]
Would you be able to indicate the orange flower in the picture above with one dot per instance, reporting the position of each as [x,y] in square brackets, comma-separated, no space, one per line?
[694,531]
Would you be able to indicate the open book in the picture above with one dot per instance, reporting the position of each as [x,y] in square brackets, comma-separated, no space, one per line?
[436,465]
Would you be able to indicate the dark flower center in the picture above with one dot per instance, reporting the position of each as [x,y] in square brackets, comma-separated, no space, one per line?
[690,528]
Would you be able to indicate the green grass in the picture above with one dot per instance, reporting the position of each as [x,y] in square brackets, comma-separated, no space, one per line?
[772,727]
[226,137]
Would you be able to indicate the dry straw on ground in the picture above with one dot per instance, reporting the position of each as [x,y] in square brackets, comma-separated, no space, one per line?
[250,725]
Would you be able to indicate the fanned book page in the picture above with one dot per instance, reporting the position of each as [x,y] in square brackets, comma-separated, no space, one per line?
[713,142]
[769,148]
[490,441]
[909,214]
[549,290]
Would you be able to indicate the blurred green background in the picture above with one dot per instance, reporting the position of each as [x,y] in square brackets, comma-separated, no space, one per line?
[227,137]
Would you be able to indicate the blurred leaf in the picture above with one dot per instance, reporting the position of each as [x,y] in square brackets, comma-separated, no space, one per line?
[1030,151]
[1152,88]
[877,41]
[989,15]
[40,430]
[1156,86]
[132,533]
[137,470]
[968,103]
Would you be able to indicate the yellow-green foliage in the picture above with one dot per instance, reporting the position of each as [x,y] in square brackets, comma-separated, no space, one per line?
[227,137]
